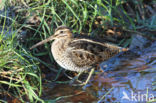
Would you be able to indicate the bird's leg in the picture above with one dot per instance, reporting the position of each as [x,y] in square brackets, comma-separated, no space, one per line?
[89,76]
[87,80]
[75,78]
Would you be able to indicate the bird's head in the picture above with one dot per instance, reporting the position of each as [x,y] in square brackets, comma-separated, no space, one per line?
[62,32]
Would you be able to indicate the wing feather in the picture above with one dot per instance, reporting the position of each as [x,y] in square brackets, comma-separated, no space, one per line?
[88,52]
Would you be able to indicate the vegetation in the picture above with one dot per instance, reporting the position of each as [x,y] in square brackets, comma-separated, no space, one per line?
[24,23]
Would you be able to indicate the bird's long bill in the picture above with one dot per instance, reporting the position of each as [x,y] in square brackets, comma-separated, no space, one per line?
[42,42]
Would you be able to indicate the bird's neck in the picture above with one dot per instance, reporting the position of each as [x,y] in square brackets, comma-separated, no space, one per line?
[61,43]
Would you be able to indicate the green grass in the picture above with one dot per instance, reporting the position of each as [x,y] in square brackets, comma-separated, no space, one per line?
[19,69]
[19,72]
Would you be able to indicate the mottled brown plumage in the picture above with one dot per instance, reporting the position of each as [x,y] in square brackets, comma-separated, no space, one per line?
[78,54]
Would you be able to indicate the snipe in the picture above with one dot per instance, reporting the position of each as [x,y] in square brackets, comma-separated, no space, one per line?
[78,54]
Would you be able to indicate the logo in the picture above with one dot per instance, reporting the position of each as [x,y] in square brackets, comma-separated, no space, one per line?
[138,96]
[125,96]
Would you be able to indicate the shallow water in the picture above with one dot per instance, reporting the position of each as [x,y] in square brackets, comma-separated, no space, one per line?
[126,78]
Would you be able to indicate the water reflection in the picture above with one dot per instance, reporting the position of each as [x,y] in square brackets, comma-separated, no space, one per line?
[132,74]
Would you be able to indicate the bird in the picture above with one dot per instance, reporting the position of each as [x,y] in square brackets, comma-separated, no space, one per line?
[78,53]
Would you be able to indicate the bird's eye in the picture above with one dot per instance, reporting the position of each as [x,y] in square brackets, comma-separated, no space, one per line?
[61,32]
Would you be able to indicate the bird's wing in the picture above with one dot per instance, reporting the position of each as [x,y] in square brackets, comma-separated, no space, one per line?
[85,52]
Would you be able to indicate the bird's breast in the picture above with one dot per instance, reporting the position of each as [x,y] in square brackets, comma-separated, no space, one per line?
[58,49]
[61,56]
